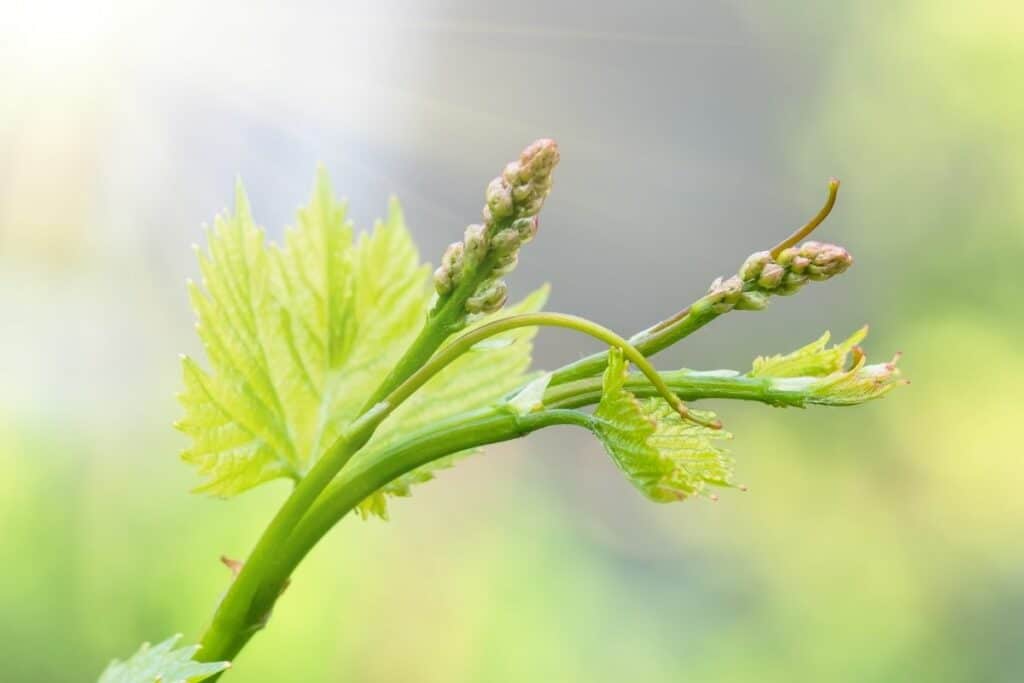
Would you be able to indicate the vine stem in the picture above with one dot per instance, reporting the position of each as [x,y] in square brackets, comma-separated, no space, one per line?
[499,423]
[246,606]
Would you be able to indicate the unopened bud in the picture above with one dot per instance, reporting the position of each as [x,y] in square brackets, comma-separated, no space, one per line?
[443,280]
[489,300]
[511,173]
[725,293]
[527,228]
[829,261]
[786,256]
[752,301]
[538,159]
[791,284]
[506,264]
[771,276]
[475,241]
[506,242]
[499,199]
[755,263]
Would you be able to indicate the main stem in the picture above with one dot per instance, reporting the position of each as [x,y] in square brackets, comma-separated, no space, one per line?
[246,606]
[499,423]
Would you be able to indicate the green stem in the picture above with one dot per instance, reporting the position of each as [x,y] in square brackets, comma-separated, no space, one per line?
[499,423]
[648,342]
[246,606]
[467,341]
[458,433]
[688,385]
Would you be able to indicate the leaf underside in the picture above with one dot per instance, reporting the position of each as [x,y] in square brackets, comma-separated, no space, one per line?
[161,664]
[665,457]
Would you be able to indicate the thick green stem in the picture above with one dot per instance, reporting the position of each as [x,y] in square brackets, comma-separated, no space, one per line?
[459,433]
[499,423]
[246,606]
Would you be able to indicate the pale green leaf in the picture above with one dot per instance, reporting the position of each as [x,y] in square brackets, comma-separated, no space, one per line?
[813,360]
[531,398]
[296,337]
[482,376]
[664,456]
[161,664]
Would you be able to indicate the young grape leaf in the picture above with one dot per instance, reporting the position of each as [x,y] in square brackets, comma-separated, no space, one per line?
[664,456]
[161,664]
[296,336]
[813,360]
[485,374]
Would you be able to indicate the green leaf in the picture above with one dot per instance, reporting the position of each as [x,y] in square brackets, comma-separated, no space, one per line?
[483,376]
[857,385]
[161,664]
[813,360]
[664,456]
[296,337]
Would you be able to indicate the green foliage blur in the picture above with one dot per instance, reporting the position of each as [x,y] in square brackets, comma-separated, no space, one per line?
[879,543]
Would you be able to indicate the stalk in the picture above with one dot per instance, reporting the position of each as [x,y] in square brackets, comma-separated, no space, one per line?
[247,604]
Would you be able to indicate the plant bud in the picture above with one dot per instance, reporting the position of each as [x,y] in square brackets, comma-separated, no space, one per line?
[499,199]
[506,242]
[491,299]
[511,173]
[752,301]
[443,281]
[506,264]
[830,260]
[724,294]
[755,263]
[527,228]
[791,284]
[452,261]
[799,264]
[771,276]
[475,241]
[786,256]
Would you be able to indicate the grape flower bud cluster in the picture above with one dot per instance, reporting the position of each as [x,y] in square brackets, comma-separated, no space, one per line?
[764,274]
[491,249]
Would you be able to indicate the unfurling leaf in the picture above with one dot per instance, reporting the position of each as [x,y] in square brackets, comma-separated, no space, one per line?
[859,384]
[664,456]
[813,360]
[161,664]
[484,375]
[297,337]
[823,374]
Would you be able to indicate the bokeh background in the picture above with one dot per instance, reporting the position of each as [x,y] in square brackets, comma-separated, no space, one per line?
[879,543]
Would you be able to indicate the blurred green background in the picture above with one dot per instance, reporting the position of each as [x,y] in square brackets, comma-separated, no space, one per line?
[878,543]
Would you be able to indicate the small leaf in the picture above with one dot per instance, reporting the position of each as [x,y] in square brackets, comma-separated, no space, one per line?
[531,398]
[482,376]
[813,360]
[161,664]
[664,456]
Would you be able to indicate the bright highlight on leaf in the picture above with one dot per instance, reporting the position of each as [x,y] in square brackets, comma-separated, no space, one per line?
[664,456]
[296,337]
[813,360]
[161,664]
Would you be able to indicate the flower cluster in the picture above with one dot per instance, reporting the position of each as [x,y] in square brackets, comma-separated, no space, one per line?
[491,249]
[764,274]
